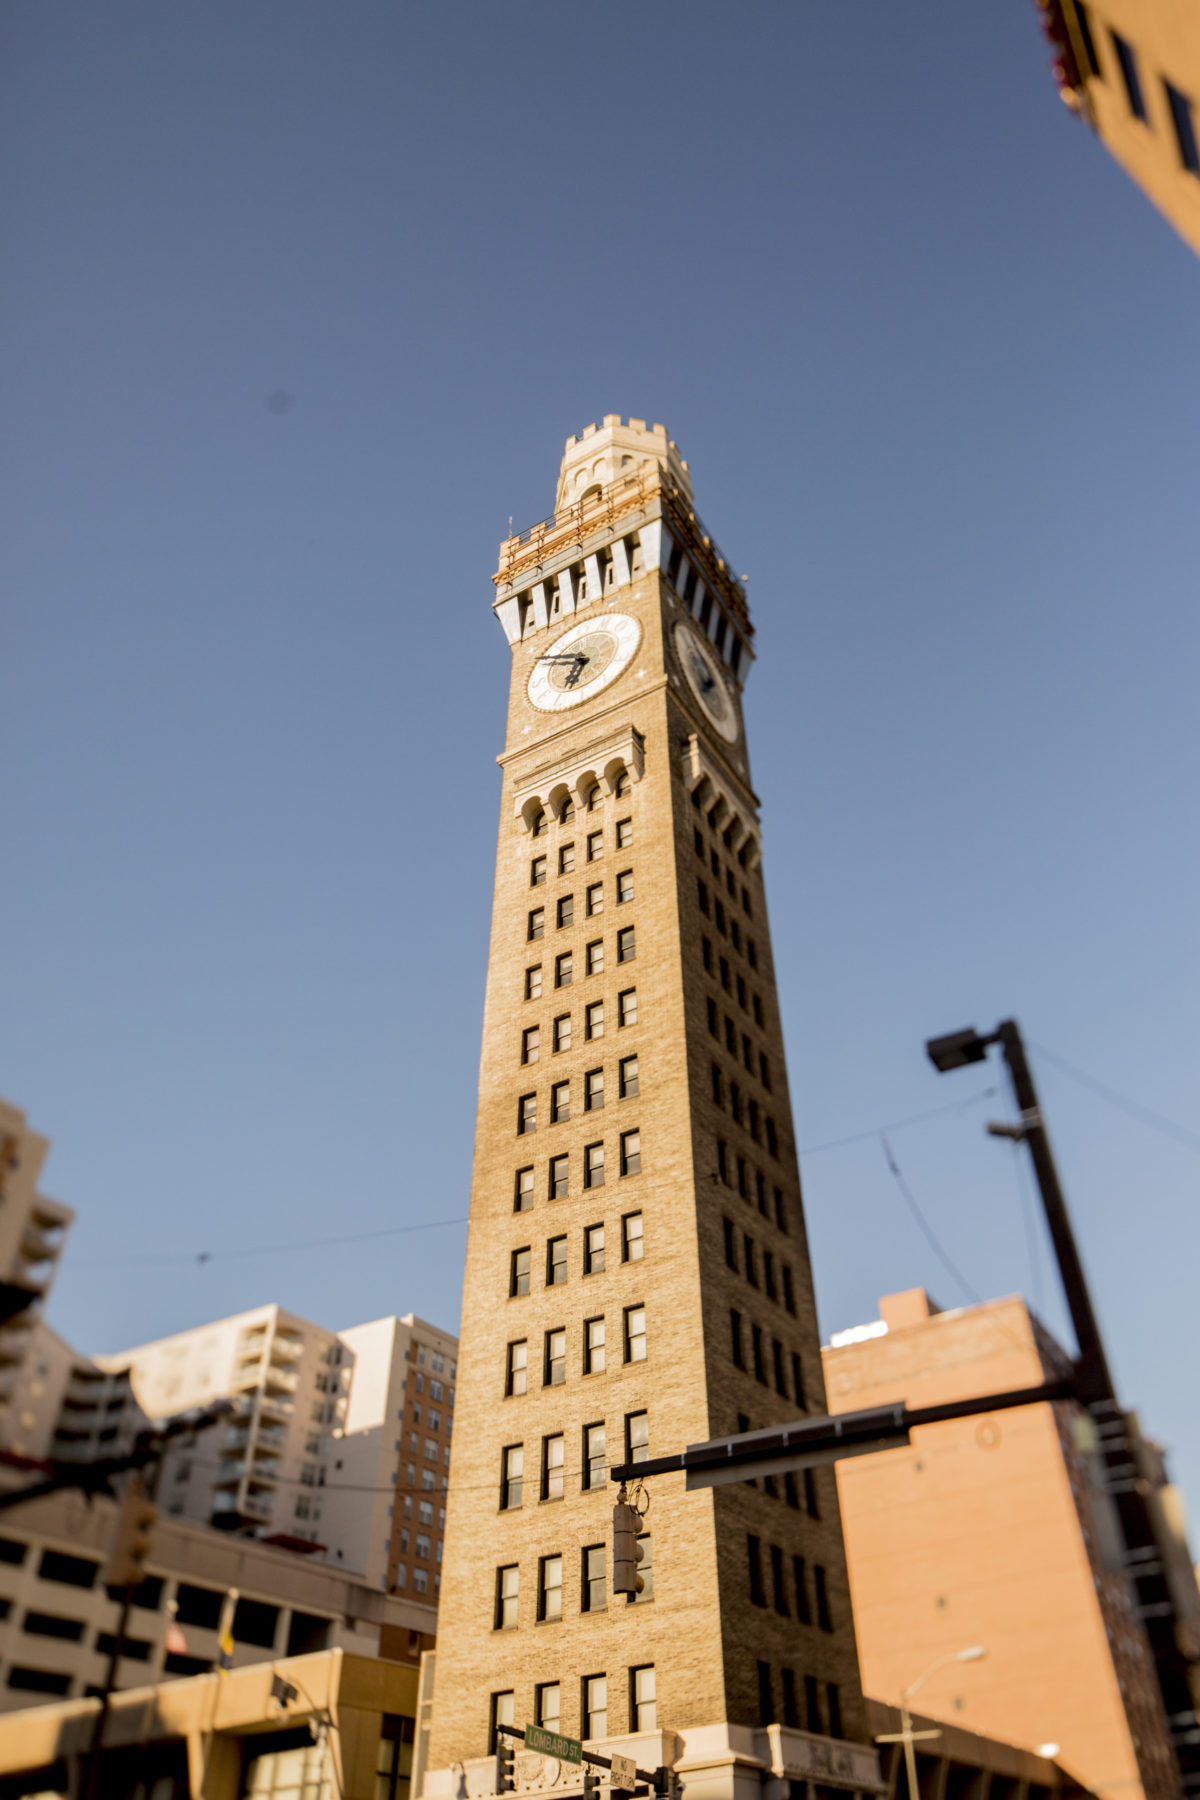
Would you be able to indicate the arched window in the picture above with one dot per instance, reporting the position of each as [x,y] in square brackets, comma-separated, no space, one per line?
[593,797]
[623,784]
[568,810]
[540,826]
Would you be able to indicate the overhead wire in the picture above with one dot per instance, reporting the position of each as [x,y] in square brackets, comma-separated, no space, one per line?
[930,1235]
[1144,1114]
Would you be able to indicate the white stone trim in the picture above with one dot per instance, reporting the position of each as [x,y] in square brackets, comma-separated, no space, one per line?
[621,562]
[700,771]
[546,789]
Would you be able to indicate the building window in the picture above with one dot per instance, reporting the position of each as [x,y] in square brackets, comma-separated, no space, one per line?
[758,1595]
[519,1274]
[593,1166]
[748,1255]
[594,1020]
[595,1457]
[531,1039]
[623,785]
[812,1504]
[780,1211]
[594,796]
[567,812]
[555,1371]
[719,916]
[595,1707]
[735,1338]
[537,872]
[643,1699]
[526,1114]
[800,1590]
[812,1705]
[595,846]
[764,1071]
[593,1586]
[537,923]
[512,1468]
[624,833]
[798,1380]
[626,945]
[718,1086]
[635,1334]
[593,1346]
[562,1032]
[789,1292]
[758,1010]
[1185,128]
[595,957]
[637,1437]
[779,1582]
[723,1160]
[633,1243]
[503,1713]
[769,1275]
[549,1705]
[559,1177]
[624,886]
[550,1593]
[1130,76]
[772,1138]
[566,859]
[593,1090]
[533,982]
[760,1366]
[702,896]
[507,1583]
[735,1101]
[523,1193]
[1085,33]
[627,1007]
[791,1715]
[595,899]
[556,1261]
[731,1261]
[593,1250]
[730,1036]
[821,1589]
[515,1373]
[552,1467]
[631,1153]
[755,1129]
[706,953]
[711,1004]
[566,911]
[628,1074]
[777,1363]
[563,966]
[766,1701]
[833,1701]
[724,968]
[560,1102]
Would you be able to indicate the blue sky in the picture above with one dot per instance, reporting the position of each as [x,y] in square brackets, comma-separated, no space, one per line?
[299,304]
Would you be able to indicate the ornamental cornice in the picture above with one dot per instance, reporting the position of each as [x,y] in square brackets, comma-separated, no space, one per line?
[705,777]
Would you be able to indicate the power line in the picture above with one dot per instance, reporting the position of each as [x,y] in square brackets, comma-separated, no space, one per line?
[935,1112]
[202,1257]
[929,1233]
[1144,1114]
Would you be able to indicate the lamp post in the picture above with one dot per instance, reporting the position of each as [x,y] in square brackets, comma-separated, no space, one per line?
[906,1735]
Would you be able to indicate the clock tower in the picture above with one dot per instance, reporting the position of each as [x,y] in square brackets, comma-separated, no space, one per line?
[637,1274]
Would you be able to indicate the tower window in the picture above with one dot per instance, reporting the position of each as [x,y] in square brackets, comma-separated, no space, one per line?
[812,1505]
[706,954]
[755,1128]
[503,1712]
[702,896]
[595,899]
[746,902]
[595,957]
[593,1166]
[772,1138]
[593,1250]
[735,1338]
[643,1699]
[549,1607]
[718,1089]
[628,1077]
[552,1467]
[789,1294]
[720,634]
[624,886]
[735,1101]
[537,923]
[766,1699]
[554,1373]
[507,1580]
[833,1701]
[515,1374]
[724,974]
[594,1020]
[635,1334]
[533,982]
[798,1380]
[812,1705]
[559,1185]
[777,1365]
[758,1595]
[593,1586]
[595,842]
[637,1437]
[800,1589]
[723,1160]
[562,969]
[519,1272]
[556,1261]
[627,1010]
[523,1193]
[719,916]
[566,859]
[821,1588]
[714,861]
[526,1114]
[747,1054]
[631,1153]
[730,884]
[595,1706]
[566,911]
[780,1212]
[593,1346]
[626,945]
[752,955]
[1085,33]
[1185,129]
[512,1467]
[697,839]
[633,1242]
[560,1102]
[751,1265]
[764,1071]
[593,1090]
[568,811]
[541,824]
[712,1018]
[790,1714]
[537,872]
[624,833]
[1130,76]
[531,1039]
[760,1365]
[595,1457]
[731,1261]
[562,1032]
[769,1275]
[624,785]
[594,796]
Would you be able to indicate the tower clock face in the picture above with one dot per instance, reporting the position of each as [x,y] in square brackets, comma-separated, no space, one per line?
[706,682]
[583,660]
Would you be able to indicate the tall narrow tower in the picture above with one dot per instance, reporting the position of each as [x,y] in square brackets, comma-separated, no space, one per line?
[637,1274]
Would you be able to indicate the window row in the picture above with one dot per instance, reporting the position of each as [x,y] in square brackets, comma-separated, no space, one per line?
[808,1719]
[718,965]
[791,1491]
[1179,106]
[789,1585]
[592,800]
[592,963]
[633,1248]
[713,907]
[736,1171]
[594,1712]
[561,1038]
[551,1471]
[775,1286]
[714,825]
[591,1086]
[593,851]
[594,1350]
[781,1360]
[593,1589]
[744,1110]
[592,906]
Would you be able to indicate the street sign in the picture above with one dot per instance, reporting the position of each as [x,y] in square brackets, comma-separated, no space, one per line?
[624,1773]
[549,1743]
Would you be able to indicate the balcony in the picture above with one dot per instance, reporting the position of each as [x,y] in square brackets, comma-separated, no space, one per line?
[257,1506]
[229,1472]
[286,1349]
[281,1381]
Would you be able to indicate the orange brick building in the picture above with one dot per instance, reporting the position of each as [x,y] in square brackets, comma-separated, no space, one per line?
[980,1532]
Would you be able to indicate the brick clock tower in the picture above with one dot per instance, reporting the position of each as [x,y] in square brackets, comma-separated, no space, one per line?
[637,1275]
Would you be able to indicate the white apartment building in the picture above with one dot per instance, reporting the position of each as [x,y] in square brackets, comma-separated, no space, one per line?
[33,1230]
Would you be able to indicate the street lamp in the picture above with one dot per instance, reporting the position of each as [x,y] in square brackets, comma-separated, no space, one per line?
[906,1735]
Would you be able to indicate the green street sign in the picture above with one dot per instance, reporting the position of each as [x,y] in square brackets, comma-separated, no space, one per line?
[548,1743]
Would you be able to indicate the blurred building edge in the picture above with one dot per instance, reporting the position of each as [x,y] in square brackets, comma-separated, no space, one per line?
[33,1230]
[345,1728]
[1131,68]
[991,1531]
[57,1618]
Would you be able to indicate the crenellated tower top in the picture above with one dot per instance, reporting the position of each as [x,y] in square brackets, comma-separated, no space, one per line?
[616,447]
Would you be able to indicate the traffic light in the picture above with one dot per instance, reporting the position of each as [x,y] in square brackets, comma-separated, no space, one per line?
[131,1542]
[591,1782]
[627,1552]
[505,1781]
